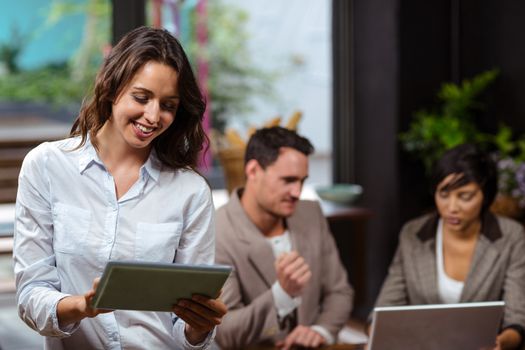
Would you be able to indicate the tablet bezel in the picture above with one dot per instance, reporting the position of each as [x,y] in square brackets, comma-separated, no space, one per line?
[155,286]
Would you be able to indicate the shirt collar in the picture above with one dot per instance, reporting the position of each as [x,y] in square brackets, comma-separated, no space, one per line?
[152,166]
[89,156]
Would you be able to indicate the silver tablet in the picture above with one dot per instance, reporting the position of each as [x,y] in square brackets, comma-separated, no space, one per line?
[134,285]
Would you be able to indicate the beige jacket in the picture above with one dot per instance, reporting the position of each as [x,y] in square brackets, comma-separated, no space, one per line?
[497,271]
[252,316]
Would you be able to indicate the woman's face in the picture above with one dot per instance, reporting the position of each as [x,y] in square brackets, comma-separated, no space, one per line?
[146,107]
[459,208]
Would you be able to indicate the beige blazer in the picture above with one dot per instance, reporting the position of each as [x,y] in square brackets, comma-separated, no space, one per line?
[497,271]
[252,316]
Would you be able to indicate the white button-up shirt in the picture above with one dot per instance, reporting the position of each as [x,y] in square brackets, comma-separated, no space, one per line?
[284,303]
[69,223]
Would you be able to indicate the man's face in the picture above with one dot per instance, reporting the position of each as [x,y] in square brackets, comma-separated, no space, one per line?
[279,186]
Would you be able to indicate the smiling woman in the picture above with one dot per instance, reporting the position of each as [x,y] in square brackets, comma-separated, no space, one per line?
[108,193]
[144,110]
[462,253]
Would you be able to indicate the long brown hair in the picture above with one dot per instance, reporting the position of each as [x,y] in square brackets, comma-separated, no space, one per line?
[179,146]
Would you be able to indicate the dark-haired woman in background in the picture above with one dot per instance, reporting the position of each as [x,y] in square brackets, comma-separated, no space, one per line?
[122,187]
[462,253]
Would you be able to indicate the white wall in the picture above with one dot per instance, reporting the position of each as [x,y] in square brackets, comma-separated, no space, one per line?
[294,37]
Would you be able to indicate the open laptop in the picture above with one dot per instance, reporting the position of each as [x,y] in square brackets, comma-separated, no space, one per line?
[467,326]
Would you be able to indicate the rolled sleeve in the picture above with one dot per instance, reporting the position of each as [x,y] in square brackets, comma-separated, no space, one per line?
[284,303]
[62,331]
[42,315]
[37,282]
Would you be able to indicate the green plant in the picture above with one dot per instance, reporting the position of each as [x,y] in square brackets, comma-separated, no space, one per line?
[233,77]
[10,50]
[507,146]
[433,132]
[50,84]
[510,157]
[59,83]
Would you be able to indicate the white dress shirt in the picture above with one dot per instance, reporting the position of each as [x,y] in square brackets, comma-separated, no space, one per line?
[69,223]
[284,303]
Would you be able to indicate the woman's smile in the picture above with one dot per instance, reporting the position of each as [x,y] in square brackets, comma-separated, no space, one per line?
[145,108]
[142,131]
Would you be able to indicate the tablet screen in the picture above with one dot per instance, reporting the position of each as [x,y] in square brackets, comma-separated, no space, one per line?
[134,285]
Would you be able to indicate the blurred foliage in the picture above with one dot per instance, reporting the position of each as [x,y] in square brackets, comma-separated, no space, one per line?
[51,84]
[431,133]
[510,157]
[67,82]
[507,145]
[10,51]
[96,34]
[233,77]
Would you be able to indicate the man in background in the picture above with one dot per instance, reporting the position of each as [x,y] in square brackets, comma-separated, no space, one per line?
[288,287]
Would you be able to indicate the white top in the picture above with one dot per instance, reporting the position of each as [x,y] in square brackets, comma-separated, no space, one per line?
[284,303]
[69,223]
[280,244]
[449,288]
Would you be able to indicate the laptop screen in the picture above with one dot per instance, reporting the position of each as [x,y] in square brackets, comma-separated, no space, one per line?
[443,326]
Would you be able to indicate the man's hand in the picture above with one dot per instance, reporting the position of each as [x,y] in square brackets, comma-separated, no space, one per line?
[302,336]
[292,273]
[201,315]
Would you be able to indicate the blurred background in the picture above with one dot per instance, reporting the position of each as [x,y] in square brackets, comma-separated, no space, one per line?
[381,88]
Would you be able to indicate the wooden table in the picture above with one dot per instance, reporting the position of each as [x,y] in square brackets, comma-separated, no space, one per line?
[331,347]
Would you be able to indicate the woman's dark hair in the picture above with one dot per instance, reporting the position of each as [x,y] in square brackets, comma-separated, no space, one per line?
[473,165]
[265,144]
[179,146]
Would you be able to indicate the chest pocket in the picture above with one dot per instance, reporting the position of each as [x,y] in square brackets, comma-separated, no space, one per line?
[157,242]
[71,228]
